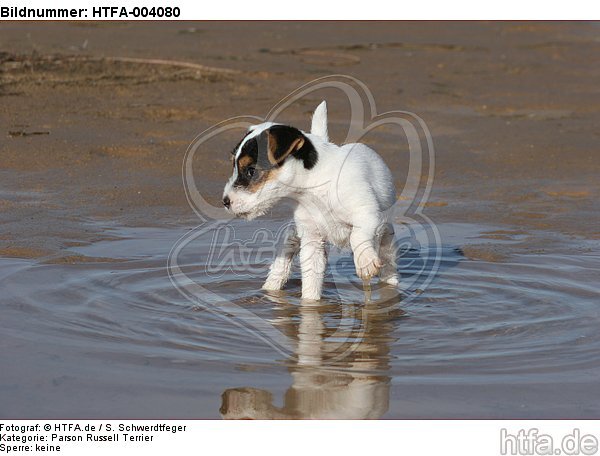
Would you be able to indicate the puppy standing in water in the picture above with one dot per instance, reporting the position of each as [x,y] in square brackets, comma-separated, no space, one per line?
[343,195]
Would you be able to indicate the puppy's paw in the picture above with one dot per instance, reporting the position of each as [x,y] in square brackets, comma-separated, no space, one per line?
[391,280]
[367,264]
[311,296]
[273,284]
[311,288]
[311,293]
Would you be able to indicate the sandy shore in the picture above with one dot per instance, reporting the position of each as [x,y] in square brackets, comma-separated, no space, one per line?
[512,108]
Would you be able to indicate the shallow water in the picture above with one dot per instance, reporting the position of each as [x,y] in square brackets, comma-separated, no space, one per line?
[116,339]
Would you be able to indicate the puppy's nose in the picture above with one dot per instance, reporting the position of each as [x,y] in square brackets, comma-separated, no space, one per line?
[226,202]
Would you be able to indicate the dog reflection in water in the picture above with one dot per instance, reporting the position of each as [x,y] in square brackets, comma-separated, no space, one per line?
[330,379]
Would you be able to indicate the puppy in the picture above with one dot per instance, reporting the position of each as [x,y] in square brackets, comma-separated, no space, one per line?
[342,195]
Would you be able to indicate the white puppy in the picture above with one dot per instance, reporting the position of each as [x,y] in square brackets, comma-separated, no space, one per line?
[342,195]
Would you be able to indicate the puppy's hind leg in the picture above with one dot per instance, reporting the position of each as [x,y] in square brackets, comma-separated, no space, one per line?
[366,259]
[281,269]
[388,254]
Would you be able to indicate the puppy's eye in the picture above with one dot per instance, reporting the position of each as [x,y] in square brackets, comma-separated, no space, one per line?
[250,170]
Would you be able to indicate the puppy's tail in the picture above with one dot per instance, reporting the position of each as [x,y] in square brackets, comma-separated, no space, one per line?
[319,122]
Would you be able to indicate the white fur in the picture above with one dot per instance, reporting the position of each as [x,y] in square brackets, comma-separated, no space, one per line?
[319,122]
[345,200]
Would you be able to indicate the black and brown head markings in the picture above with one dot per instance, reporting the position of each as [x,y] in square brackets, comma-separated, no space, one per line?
[253,171]
[284,140]
[234,150]
[246,163]
[257,159]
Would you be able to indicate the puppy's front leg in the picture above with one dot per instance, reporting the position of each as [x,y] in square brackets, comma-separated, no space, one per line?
[281,269]
[313,261]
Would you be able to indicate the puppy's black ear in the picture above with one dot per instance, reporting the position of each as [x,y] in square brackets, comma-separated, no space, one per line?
[284,141]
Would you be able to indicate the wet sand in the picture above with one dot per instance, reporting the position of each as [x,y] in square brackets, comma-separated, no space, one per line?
[91,201]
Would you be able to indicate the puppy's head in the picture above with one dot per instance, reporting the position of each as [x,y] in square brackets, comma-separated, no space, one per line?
[265,163]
